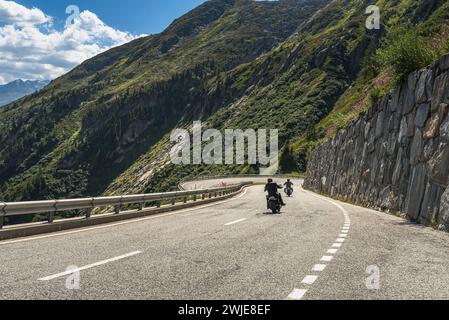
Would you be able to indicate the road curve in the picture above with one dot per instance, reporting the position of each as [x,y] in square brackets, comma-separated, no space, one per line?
[317,249]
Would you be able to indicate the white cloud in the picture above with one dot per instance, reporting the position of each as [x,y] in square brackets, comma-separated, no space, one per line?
[31,49]
[12,12]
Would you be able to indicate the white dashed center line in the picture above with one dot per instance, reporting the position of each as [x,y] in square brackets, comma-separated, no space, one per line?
[235,222]
[66,273]
[309,279]
[319,267]
[327,258]
[298,294]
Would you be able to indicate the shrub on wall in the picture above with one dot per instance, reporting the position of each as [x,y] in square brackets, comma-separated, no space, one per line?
[406,50]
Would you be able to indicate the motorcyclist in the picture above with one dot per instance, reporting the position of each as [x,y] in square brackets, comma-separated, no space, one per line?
[272,189]
[288,185]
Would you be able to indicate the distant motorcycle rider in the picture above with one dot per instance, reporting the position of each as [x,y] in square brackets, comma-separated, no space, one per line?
[288,185]
[272,189]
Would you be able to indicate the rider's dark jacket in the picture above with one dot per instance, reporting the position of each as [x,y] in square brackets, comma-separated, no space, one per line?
[272,189]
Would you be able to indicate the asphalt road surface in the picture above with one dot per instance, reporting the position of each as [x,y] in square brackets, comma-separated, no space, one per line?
[316,249]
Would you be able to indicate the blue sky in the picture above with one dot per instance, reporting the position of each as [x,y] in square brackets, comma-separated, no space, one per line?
[134,16]
[36,43]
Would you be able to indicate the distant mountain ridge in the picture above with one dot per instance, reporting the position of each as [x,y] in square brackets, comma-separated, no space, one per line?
[17,89]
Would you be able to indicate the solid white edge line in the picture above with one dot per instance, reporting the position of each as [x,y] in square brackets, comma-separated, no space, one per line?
[109,225]
[93,265]
[345,213]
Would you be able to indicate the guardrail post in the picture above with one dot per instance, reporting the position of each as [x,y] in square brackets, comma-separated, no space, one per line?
[173,202]
[88,213]
[51,215]
[117,209]
[185,199]
[210,195]
[158,204]
[203,196]
[194,198]
[2,215]
[141,206]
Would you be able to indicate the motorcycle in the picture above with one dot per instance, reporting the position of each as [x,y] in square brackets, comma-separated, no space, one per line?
[274,205]
[288,191]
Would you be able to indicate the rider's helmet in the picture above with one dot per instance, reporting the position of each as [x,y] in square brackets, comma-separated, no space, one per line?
[288,180]
[270,180]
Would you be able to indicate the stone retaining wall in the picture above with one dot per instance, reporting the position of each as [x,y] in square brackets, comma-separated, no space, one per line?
[395,156]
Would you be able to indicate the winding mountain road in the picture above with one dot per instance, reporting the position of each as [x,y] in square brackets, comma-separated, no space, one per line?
[317,248]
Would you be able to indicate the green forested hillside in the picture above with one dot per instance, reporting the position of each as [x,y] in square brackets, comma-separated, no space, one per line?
[317,80]
[414,34]
[82,131]
[303,67]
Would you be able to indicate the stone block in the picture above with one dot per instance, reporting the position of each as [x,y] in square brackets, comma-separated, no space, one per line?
[408,93]
[410,125]
[443,216]
[438,165]
[430,205]
[422,114]
[416,189]
[421,92]
[432,128]
[440,91]
[416,148]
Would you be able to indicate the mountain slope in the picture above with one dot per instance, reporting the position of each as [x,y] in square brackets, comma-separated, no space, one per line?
[322,70]
[291,65]
[86,128]
[421,26]
[19,88]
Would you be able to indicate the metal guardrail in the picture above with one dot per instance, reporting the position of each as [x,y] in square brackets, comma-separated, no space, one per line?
[53,206]
[245,176]
[277,176]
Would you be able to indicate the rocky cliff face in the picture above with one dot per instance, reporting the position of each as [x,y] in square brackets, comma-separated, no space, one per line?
[395,156]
